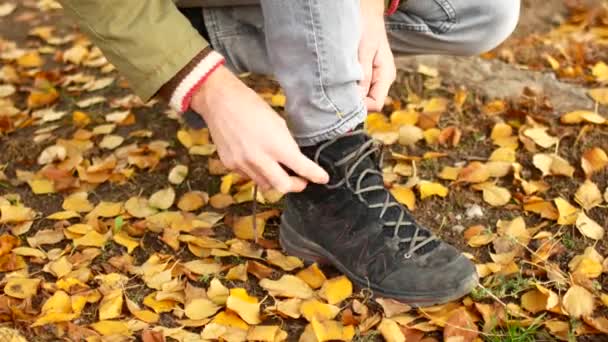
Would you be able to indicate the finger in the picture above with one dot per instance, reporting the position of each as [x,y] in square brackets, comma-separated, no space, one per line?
[379,88]
[366,59]
[277,176]
[256,177]
[298,184]
[305,168]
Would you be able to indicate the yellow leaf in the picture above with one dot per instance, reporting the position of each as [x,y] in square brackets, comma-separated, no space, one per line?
[41,186]
[278,100]
[409,135]
[449,173]
[600,71]
[63,215]
[515,228]
[139,207]
[238,272]
[202,267]
[594,160]
[578,302]
[59,267]
[178,174]
[15,214]
[77,202]
[404,117]
[247,307]
[125,240]
[314,309]
[567,213]
[428,189]
[289,307]
[266,333]
[107,328]
[588,267]
[111,141]
[504,154]
[536,301]
[184,138]
[431,135]
[404,196]
[193,200]
[92,239]
[287,286]
[589,227]
[287,263]
[336,290]
[58,308]
[579,116]
[21,288]
[390,331]
[243,225]
[475,172]
[230,319]
[162,199]
[217,292]
[588,195]
[143,315]
[106,209]
[30,59]
[313,276]
[202,150]
[501,130]
[552,164]
[332,330]
[111,305]
[30,252]
[544,208]
[159,306]
[495,195]
[200,308]
[540,137]
[599,95]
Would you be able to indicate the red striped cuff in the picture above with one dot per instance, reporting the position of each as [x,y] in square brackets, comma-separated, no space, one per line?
[392,8]
[182,95]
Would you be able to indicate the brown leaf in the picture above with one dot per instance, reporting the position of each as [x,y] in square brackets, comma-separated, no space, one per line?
[461,325]
[152,336]
[593,160]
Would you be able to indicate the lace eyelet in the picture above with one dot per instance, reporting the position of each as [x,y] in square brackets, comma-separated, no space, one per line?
[407,255]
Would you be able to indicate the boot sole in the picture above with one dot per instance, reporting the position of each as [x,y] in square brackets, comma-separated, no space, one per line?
[297,245]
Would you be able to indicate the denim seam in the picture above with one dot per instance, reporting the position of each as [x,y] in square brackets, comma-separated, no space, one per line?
[338,128]
[449,10]
[319,58]
[443,26]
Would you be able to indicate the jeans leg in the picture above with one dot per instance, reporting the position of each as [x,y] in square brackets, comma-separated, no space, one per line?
[454,27]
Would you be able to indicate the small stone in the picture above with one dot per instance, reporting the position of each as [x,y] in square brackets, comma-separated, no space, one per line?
[474,211]
[458,229]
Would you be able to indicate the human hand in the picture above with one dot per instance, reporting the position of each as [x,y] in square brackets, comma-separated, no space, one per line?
[251,138]
[375,56]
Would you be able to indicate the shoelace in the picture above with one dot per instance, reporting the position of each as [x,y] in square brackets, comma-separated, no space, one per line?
[351,163]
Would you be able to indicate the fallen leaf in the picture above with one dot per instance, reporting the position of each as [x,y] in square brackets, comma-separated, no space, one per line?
[567,213]
[21,288]
[540,137]
[178,174]
[336,290]
[247,307]
[460,327]
[428,189]
[391,331]
[474,172]
[593,160]
[313,276]
[404,196]
[287,286]
[392,307]
[192,200]
[588,195]
[314,309]
[332,330]
[589,227]
[578,302]
[266,333]
[287,263]
[162,199]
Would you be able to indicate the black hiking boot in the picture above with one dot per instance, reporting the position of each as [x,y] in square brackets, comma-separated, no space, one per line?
[355,224]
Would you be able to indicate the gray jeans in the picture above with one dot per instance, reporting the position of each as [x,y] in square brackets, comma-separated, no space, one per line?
[310,47]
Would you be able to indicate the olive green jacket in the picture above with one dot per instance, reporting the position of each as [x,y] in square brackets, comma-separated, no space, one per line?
[149,41]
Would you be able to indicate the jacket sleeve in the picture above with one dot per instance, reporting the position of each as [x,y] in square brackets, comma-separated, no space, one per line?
[148,41]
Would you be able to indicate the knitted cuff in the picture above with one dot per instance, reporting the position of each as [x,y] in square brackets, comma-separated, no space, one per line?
[180,89]
[392,7]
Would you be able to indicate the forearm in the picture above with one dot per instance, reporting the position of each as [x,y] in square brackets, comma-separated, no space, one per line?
[148,41]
